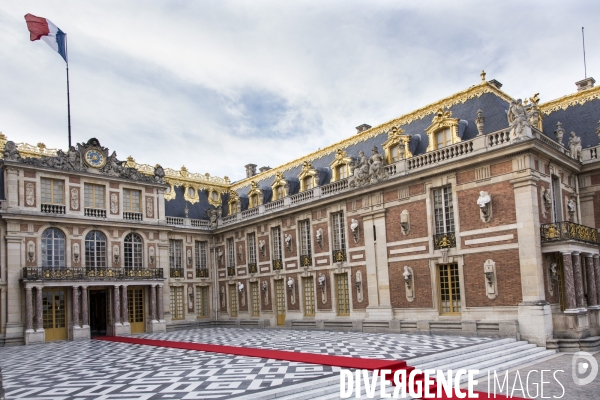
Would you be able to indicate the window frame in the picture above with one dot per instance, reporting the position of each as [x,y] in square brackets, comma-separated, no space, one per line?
[175,253]
[51,182]
[56,246]
[133,253]
[98,249]
[128,201]
[453,288]
[94,196]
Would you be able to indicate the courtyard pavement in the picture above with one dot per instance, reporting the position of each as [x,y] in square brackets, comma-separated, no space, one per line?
[107,370]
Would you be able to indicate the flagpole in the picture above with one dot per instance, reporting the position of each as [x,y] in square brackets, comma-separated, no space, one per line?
[68,95]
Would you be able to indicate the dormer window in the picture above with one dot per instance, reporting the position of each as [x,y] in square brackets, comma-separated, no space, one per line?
[396,146]
[234,203]
[255,195]
[279,187]
[340,167]
[443,130]
[309,177]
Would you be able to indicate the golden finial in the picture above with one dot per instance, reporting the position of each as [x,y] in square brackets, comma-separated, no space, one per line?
[41,146]
[482,74]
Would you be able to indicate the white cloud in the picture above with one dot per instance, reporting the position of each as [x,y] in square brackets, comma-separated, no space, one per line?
[215,85]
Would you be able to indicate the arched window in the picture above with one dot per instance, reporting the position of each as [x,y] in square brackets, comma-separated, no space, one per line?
[133,251]
[95,249]
[53,248]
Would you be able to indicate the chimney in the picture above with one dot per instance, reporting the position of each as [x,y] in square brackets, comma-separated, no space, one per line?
[263,169]
[585,84]
[250,170]
[495,83]
[362,128]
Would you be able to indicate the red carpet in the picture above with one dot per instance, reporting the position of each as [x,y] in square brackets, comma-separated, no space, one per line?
[321,359]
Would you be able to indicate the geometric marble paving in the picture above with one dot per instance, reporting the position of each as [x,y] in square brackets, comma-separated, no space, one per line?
[107,370]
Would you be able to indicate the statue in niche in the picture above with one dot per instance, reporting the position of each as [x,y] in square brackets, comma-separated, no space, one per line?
[261,246]
[354,229]
[407,277]
[483,202]
[575,146]
[29,194]
[520,127]
[288,242]
[74,199]
[376,170]
[546,201]
[319,234]
[571,208]
[10,151]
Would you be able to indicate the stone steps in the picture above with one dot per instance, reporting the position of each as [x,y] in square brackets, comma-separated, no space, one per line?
[496,355]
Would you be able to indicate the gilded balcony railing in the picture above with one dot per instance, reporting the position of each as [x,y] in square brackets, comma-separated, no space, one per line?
[444,240]
[90,273]
[568,231]
[339,255]
[176,272]
[252,268]
[230,271]
[305,260]
[201,272]
[277,264]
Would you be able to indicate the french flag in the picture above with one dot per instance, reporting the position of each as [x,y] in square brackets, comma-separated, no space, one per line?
[42,28]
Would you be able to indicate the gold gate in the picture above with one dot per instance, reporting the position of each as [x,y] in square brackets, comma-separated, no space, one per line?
[54,314]
[135,306]
[280,296]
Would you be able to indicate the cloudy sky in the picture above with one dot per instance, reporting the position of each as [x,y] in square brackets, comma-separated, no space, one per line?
[215,85]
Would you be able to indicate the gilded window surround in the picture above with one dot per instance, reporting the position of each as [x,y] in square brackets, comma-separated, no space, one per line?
[308,172]
[191,199]
[171,195]
[234,203]
[442,119]
[255,195]
[341,159]
[396,137]
[279,181]
[578,98]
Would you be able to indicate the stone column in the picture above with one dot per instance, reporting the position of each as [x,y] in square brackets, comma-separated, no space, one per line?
[153,303]
[578,280]
[591,281]
[161,306]
[76,306]
[597,275]
[124,305]
[569,283]
[84,307]
[39,323]
[28,310]
[117,311]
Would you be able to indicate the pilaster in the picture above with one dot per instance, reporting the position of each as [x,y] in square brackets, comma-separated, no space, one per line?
[378,276]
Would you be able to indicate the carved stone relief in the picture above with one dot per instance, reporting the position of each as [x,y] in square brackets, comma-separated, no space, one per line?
[265,290]
[359,287]
[30,251]
[367,171]
[74,199]
[323,285]
[491,281]
[116,255]
[114,203]
[213,216]
[485,206]
[518,119]
[409,283]
[76,253]
[354,229]
[291,287]
[288,242]
[30,194]
[190,298]
[151,255]
[405,222]
[149,207]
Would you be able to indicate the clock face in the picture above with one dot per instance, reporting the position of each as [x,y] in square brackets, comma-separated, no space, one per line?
[94,158]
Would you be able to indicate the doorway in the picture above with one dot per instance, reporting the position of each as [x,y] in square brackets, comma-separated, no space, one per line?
[280,302]
[54,314]
[98,315]
[135,307]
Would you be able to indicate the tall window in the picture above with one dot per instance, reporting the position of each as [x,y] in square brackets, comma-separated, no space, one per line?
[255,299]
[233,304]
[251,248]
[53,191]
[131,200]
[339,239]
[201,259]
[94,196]
[449,289]
[176,302]
[309,296]
[230,253]
[202,304]
[305,250]
[95,250]
[443,138]
[53,248]
[132,249]
[277,254]
[175,250]
[556,199]
[343,297]
[443,210]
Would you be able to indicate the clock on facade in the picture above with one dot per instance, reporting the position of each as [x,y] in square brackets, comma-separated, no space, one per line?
[95,158]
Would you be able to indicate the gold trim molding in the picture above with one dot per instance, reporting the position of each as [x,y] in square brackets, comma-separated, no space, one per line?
[441,120]
[255,195]
[278,182]
[396,137]
[578,98]
[308,171]
[234,203]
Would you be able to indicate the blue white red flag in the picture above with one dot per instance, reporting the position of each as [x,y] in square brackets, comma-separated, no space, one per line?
[42,28]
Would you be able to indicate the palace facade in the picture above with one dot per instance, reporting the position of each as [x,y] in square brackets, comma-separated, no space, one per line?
[475,215]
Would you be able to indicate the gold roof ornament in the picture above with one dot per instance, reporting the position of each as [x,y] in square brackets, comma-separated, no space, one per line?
[130,163]
[482,74]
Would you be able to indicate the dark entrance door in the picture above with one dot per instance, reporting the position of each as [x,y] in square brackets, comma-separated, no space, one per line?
[98,312]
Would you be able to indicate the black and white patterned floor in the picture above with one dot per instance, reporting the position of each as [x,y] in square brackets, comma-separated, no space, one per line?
[107,370]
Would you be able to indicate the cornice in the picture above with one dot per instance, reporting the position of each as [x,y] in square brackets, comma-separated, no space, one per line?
[578,98]
[457,98]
